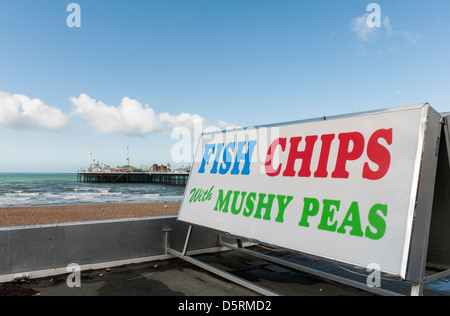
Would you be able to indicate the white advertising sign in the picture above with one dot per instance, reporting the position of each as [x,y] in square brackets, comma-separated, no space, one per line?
[342,188]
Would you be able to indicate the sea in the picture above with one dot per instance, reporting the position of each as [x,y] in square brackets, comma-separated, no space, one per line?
[44,189]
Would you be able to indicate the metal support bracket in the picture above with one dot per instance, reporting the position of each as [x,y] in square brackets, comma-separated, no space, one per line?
[417,288]
[183,255]
[318,273]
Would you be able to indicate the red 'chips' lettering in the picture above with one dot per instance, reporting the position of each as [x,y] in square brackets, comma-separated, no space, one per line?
[351,148]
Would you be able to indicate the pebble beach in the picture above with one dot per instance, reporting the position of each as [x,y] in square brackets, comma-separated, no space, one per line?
[42,215]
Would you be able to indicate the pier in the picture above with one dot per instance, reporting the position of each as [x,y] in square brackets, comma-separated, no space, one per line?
[170,178]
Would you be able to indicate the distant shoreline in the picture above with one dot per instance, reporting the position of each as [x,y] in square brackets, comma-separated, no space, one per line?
[42,215]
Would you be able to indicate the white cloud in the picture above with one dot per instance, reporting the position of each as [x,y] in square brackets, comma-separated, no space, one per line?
[361,29]
[133,118]
[20,112]
[367,33]
[387,25]
[129,118]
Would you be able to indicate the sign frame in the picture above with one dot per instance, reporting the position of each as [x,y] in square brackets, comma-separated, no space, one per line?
[420,230]
[439,241]
[417,259]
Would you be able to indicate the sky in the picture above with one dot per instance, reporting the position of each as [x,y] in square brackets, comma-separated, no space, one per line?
[107,75]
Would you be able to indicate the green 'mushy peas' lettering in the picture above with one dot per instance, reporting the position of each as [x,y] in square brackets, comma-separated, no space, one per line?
[236,210]
[262,204]
[310,208]
[329,206]
[237,202]
[249,204]
[222,203]
[351,222]
[377,222]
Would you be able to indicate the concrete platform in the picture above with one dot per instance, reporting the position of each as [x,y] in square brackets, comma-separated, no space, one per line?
[178,278]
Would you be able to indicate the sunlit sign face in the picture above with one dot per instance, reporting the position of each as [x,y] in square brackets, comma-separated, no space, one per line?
[342,188]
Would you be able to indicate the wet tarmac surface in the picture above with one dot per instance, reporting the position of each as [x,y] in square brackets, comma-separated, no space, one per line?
[179,278]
